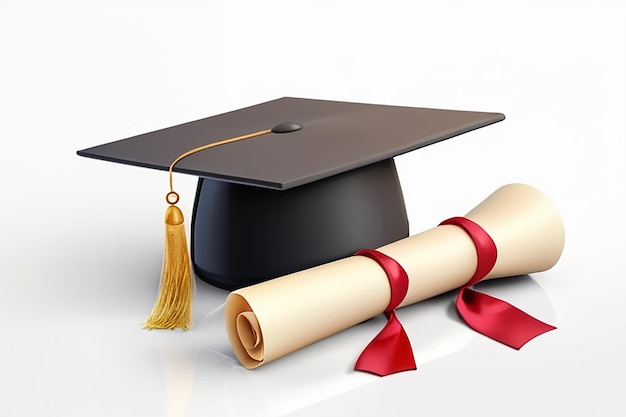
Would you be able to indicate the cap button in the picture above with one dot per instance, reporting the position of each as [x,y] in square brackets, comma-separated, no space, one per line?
[286,127]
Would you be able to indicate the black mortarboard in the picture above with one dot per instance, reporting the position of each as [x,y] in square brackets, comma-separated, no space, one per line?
[302,183]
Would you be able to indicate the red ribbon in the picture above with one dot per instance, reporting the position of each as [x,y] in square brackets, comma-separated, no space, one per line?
[390,351]
[488,315]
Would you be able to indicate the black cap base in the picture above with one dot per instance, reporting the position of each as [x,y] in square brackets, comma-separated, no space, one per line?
[242,235]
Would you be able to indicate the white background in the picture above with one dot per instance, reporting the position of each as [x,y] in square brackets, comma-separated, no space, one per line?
[82,239]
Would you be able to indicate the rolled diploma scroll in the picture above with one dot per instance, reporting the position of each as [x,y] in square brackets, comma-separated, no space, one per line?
[274,318]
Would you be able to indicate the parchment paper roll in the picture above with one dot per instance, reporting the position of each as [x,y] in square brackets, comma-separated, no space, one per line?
[269,320]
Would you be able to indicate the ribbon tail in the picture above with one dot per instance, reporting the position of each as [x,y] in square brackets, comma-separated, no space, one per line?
[498,319]
[389,352]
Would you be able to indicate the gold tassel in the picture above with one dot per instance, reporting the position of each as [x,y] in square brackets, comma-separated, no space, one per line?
[173,307]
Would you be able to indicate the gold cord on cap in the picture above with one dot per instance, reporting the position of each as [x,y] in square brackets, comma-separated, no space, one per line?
[209,146]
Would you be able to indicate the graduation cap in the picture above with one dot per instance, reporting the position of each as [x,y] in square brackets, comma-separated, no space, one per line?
[283,186]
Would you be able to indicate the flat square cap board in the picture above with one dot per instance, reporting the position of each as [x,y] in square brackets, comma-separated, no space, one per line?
[280,202]
[336,137]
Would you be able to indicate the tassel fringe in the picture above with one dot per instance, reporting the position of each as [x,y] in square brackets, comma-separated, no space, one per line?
[173,307]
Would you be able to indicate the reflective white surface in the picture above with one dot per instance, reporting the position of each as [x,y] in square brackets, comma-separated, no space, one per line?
[82,239]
